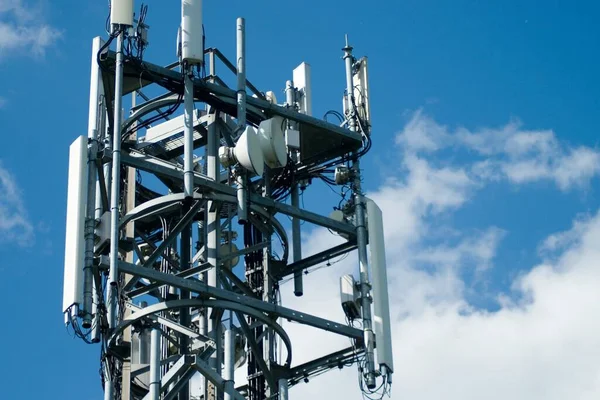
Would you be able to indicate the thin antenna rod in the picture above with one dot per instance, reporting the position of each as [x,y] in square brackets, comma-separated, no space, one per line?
[241,116]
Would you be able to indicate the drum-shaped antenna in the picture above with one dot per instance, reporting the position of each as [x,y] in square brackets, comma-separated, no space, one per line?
[272,142]
[248,152]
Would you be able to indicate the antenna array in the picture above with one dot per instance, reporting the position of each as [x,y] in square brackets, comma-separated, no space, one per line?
[151,268]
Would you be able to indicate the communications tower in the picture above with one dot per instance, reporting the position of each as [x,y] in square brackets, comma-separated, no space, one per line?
[178,203]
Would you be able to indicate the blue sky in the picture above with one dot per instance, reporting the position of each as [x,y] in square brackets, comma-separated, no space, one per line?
[485,122]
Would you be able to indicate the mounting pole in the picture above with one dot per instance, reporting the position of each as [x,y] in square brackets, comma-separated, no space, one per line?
[188,183]
[90,217]
[188,158]
[113,278]
[290,96]
[103,135]
[283,389]
[242,177]
[228,374]
[361,231]
[154,383]
[212,237]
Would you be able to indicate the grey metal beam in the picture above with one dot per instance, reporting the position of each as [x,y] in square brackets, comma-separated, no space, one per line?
[329,361]
[268,308]
[204,90]
[232,68]
[215,378]
[308,216]
[214,94]
[158,251]
[146,368]
[160,167]
[274,109]
[164,168]
[180,226]
[199,303]
[315,259]
[237,282]
[155,206]
[174,325]
[183,274]
[181,383]
[253,344]
[102,184]
[179,368]
[173,263]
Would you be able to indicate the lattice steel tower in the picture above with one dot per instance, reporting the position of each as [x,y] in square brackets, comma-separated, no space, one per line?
[165,208]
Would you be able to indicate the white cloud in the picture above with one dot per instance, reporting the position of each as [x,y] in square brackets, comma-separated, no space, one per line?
[15,226]
[23,30]
[3,102]
[508,152]
[476,251]
[419,189]
[422,133]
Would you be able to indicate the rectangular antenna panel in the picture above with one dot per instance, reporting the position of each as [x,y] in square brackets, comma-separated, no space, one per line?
[361,91]
[102,232]
[192,36]
[349,296]
[301,78]
[169,128]
[381,306]
[74,240]
[96,87]
[121,12]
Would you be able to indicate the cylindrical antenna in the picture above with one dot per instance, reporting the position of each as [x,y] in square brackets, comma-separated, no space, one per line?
[154,384]
[241,115]
[192,37]
[241,72]
[121,13]
[229,362]
[192,53]
[348,59]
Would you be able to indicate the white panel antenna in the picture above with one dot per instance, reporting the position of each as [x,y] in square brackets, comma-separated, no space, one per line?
[381,306]
[272,141]
[301,78]
[361,90]
[121,12]
[169,128]
[74,240]
[192,37]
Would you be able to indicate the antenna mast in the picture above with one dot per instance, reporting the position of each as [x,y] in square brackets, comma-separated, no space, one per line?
[163,206]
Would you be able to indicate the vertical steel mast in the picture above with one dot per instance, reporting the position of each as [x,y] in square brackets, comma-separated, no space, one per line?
[177,311]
